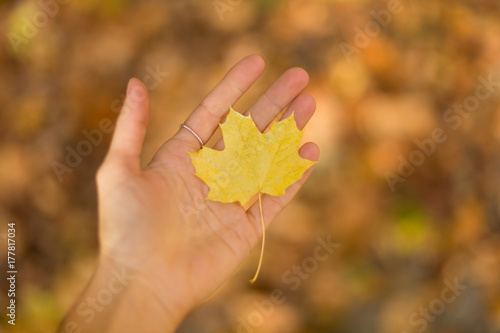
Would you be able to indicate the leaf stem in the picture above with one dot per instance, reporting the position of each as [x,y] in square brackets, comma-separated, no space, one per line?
[263,239]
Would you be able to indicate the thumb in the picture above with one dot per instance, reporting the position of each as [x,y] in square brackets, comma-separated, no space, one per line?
[126,145]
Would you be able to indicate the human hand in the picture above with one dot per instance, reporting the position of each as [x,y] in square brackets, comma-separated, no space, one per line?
[156,222]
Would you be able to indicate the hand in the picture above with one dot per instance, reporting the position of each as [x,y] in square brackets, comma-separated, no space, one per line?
[156,222]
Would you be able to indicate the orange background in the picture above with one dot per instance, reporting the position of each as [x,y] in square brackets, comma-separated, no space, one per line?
[397,248]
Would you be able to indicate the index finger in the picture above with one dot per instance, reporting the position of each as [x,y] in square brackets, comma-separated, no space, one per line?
[206,117]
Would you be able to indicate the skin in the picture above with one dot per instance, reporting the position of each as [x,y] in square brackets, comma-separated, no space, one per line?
[154,223]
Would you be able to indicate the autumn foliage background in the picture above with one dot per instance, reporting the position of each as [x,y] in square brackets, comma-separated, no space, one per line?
[396,247]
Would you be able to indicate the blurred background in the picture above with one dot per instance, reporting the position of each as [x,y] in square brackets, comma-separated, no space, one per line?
[408,184]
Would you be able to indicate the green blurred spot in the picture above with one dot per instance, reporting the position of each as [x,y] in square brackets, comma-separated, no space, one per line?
[266,6]
[411,230]
[42,310]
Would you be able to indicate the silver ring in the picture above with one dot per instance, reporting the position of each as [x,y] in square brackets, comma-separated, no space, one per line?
[196,135]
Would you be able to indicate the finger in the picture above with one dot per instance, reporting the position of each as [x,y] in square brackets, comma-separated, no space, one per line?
[206,117]
[278,96]
[302,107]
[126,145]
[272,205]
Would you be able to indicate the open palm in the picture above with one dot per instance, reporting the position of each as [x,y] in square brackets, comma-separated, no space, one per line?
[156,222]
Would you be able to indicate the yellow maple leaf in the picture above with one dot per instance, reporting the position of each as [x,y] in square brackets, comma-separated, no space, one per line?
[251,162]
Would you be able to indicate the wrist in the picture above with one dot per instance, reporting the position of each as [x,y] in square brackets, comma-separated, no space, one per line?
[140,306]
[121,299]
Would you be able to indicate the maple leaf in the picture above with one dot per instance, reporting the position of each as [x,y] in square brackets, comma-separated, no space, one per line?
[251,162]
